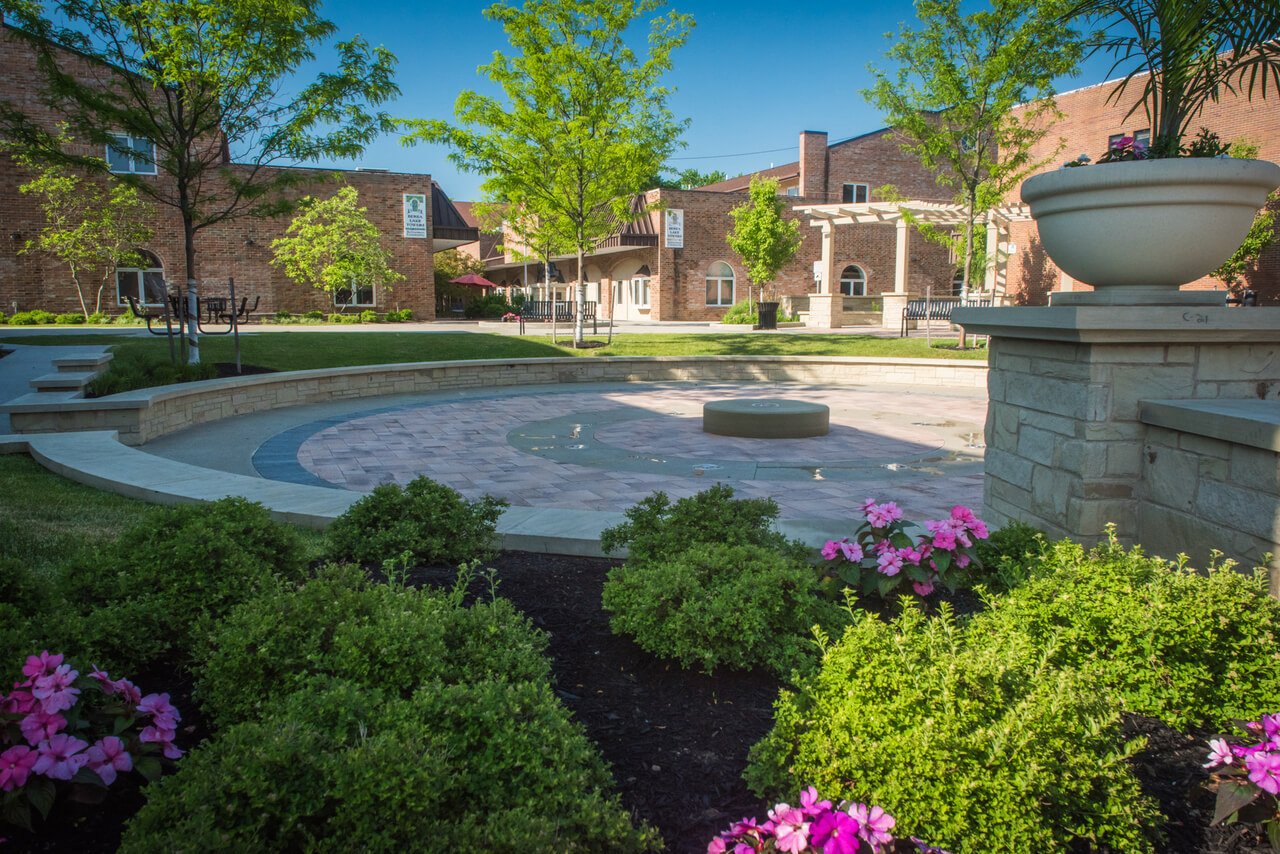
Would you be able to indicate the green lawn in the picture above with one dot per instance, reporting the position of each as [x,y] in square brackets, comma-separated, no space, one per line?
[287,351]
[51,518]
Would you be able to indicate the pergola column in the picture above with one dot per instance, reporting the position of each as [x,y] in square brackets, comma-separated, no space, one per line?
[993,256]
[896,301]
[826,306]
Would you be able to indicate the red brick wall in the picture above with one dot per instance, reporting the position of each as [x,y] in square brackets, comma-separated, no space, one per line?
[240,248]
[1089,119]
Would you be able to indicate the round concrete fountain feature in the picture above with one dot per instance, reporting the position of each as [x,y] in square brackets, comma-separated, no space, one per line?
[754,418]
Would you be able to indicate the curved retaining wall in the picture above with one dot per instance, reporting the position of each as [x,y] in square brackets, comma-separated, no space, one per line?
[146,414]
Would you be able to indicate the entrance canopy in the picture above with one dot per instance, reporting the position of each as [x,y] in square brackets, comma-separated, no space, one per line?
[901,214]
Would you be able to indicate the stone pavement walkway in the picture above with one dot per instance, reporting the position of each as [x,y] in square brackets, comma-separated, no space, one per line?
[26,362]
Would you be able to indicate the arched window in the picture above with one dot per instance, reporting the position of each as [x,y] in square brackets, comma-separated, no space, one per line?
[719,284]
[853,281]
[145,282]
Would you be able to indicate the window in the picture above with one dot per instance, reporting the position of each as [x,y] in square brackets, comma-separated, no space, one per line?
[360,295]
[617,293]
[131,155]
[855,194]
[1142,137]
[145,283]
[793,191]
[719,284]
[640,292]
[853,281]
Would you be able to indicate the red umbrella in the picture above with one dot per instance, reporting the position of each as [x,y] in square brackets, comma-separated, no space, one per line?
[474,280]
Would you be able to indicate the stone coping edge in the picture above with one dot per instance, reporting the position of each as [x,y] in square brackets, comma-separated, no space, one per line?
[143,397]
[98,459]
[1255,423]
[1124,324]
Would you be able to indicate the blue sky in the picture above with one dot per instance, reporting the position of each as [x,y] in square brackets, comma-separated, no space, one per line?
[752,76]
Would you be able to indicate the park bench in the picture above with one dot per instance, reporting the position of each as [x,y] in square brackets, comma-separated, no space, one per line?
[539,311]
[935,309]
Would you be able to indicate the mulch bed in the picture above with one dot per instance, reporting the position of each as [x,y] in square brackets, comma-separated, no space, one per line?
[677,740]
[228,369]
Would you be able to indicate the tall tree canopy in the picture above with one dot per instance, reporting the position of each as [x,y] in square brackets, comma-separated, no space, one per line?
[203,81]
[761,235]
[582,122]
[957,81]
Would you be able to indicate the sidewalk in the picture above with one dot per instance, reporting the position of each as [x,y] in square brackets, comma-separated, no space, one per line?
[25,363]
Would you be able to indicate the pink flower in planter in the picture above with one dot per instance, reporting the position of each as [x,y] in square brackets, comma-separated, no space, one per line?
[883,515]
[890,562]
[41,726]
[924,588]
[60,757]
[809,803]
[1264,771]
[1271,730]
[163,713]
[790,830]
[15,767]
[20,702]
[107,757]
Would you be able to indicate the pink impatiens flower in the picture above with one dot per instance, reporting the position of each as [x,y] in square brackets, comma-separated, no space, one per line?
[56,691]
[1219,753]
[890,562]
[39,665]
[790,830]
[107,757]
[40,726]
[15,767]
[835,832]
[809,803]
[20,702]
[883,515]
[923,588]
[60,757]
[830,549]
[1264,771]
[163,713]
[875,825]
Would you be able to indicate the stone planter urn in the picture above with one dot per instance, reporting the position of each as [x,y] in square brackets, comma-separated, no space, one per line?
[1137,230]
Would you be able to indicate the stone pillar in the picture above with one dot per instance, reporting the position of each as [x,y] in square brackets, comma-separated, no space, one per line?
[893,303]
[827,263]
[826,311]
[891,308]
[1068,449]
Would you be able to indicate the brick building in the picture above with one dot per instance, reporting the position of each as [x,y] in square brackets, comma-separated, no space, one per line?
[239,248]
[637,275]
[1088,123]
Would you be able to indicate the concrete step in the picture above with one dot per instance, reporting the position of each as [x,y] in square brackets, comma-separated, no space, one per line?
[77,364]
[64,381]
[42,398]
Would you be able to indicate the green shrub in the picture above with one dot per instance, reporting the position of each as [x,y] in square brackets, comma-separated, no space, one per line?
[430,520]
[656,529]
[23,318]
[344,318]
[975,747]
[70,318]
[742,312]
[715,604]
[128,319]
[340,625]
[4,318]
[469,767]
[369,316]
[282,315]
[99,318]
[401,315]
[151,596]
[489,305]
[1008,556]
[134,370]
[24,606]
[1193,650]
[314,314]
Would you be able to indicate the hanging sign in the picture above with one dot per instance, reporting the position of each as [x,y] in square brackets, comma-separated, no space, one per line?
[674,219]
[415,215]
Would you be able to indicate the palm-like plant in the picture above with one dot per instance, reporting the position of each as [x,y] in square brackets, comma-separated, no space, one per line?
[1190,50]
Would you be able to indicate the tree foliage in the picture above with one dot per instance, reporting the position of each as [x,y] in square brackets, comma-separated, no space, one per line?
[1261,234]
[90,227]
[686,179]
[1188,52]
[761,236]
[332,244]
[953,95]
[581,123]
[204,81]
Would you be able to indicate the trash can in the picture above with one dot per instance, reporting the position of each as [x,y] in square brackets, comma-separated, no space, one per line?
[768,316]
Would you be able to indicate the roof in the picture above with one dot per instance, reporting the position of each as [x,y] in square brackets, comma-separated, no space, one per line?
[636,231]
[786,170]
[446,221]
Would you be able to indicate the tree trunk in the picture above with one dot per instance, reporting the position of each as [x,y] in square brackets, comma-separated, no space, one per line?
[968,255]
[578,333]
[75,277]
[193,290]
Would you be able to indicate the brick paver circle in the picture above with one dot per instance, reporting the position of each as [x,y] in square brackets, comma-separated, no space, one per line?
[604,449]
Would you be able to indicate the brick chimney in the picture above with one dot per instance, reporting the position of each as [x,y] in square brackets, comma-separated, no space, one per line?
[813,165]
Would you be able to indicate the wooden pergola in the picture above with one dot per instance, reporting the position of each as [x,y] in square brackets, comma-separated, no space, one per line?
[901,214]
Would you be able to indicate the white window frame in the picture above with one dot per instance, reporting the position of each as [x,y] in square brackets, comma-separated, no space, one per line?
[142,284]
[721,281]
[137,165]
[792,192]
[618,289]
[355,295]
[640,292]
[853,195]
[856,288]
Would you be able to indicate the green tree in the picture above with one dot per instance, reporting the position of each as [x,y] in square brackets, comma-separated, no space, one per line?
[1261,235]
[581,124]
[333,245]
[89,227]
[449,265]
[686,179]
[953,94]
[762,237]
[202,81]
